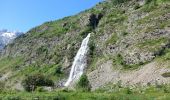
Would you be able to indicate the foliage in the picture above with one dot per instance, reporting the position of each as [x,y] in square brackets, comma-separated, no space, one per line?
[42,49]
[2,85]
[83,83]
[58,70]
[137,6]
[91,48]
[31,82]
[119,1]
[150,5]
[149,93]
[112,40]
[166,74]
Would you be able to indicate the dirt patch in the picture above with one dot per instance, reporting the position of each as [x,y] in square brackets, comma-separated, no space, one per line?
[5,76]
[148,74]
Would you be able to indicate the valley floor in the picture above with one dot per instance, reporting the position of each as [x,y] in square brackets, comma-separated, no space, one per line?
[151,93]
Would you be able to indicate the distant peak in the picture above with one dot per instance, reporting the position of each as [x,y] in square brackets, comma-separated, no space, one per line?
[7,37]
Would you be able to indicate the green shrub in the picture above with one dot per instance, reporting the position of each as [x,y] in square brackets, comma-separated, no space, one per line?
[119,1]
[83,83]
[125,33]
[150,5]
[58,70]
[167,74]
[42,49]
[91,48]
[30,83]
[59,97]
[137,6]
[149,1]
[120,60]
[40,89]
[2,85]
[166,89]
[128,91]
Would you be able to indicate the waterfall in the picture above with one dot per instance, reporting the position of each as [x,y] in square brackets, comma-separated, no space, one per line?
[79,63]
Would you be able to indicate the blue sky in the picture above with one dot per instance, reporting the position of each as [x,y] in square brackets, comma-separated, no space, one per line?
[23,15]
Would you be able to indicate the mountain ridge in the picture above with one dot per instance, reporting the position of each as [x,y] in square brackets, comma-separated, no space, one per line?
[126,36]
[7,37]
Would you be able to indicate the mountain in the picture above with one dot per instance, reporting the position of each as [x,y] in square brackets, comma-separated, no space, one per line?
[129,46]
[7,37]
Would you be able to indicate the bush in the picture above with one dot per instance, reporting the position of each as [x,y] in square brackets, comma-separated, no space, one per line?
[128,90]
[120,60]
[119,1]
[167,74]
[2,85]
[30,83]
[40,89]
[84,83]
[149,1]
[58,70]
[150,5]
[59,97]
[137,6]
[91,48]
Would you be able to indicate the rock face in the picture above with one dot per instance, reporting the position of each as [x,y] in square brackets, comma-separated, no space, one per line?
[7,37]
[127,35]
[149,74]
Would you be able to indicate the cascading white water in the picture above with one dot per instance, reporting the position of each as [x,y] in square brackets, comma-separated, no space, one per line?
[80,62]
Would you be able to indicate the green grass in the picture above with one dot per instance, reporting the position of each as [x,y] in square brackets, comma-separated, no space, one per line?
[112,40]
[118,62]
[150,93]
[153,44]
[10,63]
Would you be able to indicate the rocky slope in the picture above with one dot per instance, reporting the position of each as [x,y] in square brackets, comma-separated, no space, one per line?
[130,41]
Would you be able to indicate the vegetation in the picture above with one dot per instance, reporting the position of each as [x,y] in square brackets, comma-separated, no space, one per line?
[83,83]
[33,81]
[50,49]
[119,1]
[149,93]
[167,74]
[112,40]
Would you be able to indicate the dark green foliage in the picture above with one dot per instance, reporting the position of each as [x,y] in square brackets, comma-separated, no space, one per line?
[59,98]
[91,48]
[42,49]
[120,60]
[125,33]
[167,74]
[40,89]
[128,91]
[83,83]
[166,89]
[119,1]
[2,84]
[150,5]
[58,70]
[31,82]
[149,1]
[137,6]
